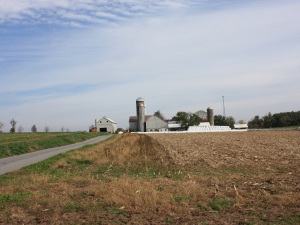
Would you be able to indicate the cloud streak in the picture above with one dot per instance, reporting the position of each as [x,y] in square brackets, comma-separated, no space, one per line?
[58,11]
[174,56]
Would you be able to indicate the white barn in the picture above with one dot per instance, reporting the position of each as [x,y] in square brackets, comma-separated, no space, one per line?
[106,125]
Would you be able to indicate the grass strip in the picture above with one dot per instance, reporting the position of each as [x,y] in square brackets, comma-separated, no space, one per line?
[17,144]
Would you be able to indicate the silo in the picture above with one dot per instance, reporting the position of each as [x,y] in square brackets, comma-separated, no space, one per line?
[210,116]
[140,113]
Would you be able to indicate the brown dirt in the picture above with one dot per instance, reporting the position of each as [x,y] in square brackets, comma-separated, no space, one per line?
[259,149]
[200,178]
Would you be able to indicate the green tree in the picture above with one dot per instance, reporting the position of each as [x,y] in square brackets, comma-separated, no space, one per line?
[255,123]
[284,121]
[219,120]
[224,121]
[186,119]
[229,121]
[33,128]
[269,120]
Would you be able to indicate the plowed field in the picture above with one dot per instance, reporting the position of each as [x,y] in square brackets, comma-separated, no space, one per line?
[265,149]
[241,178]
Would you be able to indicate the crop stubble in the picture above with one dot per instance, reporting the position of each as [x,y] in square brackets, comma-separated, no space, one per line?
[195,178]
[259,149]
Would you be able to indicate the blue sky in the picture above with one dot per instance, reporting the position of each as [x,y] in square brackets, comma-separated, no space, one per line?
[67,63]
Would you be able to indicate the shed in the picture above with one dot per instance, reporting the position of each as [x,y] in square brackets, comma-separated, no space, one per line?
[241,126]
[204,124]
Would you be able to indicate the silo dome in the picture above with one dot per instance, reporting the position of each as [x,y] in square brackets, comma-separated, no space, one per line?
[209,107]
[140,99]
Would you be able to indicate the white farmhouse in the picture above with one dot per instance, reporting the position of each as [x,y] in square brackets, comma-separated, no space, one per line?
[106,125]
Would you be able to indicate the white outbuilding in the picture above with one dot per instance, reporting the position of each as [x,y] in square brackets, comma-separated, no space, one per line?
[241,126]
[106,125]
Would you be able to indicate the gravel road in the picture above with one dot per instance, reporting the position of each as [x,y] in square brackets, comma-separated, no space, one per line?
[19,161]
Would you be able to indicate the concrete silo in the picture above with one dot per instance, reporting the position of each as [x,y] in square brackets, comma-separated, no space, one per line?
[140,113]
[210,116]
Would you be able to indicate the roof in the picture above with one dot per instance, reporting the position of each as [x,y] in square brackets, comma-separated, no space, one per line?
[105,117]
[140,99]
[240,126]
[204,124]
[134,118]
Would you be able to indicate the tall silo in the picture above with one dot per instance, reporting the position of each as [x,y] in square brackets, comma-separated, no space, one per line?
[210,116]
[140,113]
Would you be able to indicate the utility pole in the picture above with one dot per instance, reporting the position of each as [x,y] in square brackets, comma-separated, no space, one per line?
[223,108]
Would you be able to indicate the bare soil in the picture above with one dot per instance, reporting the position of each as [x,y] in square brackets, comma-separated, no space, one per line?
[199,178]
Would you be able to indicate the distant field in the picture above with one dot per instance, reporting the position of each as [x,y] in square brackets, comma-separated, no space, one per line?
[20,143]
[246,178]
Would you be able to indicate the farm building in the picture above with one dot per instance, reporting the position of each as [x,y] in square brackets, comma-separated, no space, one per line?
[151,123]
[105,125]
[240,126]
[143,123]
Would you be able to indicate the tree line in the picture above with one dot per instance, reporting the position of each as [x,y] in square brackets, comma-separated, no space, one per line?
[186,119]
[283,119]
[20,129]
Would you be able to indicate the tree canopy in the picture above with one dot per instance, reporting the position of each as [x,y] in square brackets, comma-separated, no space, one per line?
[282,119]
[224,121]
[202,114]
[186,119]
[159,114]
[33,128]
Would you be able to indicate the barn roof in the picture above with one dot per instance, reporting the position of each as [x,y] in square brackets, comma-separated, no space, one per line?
[105,117]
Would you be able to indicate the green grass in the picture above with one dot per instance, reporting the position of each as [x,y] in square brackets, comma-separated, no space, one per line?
[118,211]
[180,199]
[142,170]
[20,143]
[220,204]
[15,198]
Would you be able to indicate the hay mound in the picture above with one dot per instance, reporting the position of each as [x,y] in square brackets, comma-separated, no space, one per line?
[133,148]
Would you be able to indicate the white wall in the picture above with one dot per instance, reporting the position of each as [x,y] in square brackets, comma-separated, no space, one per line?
[104,123]
[155,123]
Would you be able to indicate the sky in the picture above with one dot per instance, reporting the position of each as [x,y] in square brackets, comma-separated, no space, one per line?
[69,62]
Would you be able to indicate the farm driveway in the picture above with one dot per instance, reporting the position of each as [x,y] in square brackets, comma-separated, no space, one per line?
[19,161]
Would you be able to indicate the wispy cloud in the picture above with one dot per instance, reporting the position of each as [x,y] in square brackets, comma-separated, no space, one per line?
[167,52]
[14,11]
